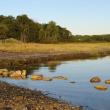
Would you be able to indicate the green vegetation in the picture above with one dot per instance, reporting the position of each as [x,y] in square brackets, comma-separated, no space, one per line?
[26,30]
[92,38]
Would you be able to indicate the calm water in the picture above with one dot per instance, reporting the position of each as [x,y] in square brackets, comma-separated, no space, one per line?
[80,93]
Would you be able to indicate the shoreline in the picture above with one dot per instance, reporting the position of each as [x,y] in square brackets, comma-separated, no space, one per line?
[20,59]
[13,97]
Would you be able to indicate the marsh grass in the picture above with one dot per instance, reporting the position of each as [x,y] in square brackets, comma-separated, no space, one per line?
[17,46]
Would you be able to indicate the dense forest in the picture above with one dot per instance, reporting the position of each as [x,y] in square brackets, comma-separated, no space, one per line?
[26,30]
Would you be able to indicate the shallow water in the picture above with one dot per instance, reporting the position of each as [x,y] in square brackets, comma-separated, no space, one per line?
[80,93]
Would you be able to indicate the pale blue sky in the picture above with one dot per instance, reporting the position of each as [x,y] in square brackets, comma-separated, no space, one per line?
[79,16]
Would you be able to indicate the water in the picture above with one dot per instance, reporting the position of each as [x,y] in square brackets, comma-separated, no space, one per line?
[80,93]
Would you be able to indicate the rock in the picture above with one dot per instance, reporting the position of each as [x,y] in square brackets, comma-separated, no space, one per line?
[107,81]
[23,74]
[60,78]
[36,77]
[72,82]
[16,74]
[3,70]
[1,74]
[103,88]
[95,80]
[5,74]
[11,72]
[47,79]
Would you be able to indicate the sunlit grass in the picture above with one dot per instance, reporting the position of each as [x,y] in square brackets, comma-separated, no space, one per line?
[16,46]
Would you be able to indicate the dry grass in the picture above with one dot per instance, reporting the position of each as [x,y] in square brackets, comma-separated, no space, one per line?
[50,48]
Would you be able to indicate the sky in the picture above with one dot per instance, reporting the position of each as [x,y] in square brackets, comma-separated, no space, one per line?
[79,16]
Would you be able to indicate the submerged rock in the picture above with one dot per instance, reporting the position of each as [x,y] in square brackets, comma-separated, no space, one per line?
[72,82]
[107,81]
[99,87]
[47,79]
[60,78]
[95,80]
[36,77]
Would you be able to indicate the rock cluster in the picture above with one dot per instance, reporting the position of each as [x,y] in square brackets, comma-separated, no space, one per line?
[19,74]
[22,74]
[97,79]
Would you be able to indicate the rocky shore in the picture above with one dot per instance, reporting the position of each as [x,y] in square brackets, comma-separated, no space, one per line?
[17,98]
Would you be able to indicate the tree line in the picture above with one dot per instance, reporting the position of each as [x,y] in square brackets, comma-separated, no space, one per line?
[26,30]
[91,38]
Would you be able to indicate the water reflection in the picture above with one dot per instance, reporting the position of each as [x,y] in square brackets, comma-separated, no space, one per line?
[81,71]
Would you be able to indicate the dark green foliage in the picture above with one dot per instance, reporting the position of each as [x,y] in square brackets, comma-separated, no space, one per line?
[26,30]
[3,32]
[92,38]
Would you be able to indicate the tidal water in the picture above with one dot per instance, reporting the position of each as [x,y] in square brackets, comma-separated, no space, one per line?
[80,93]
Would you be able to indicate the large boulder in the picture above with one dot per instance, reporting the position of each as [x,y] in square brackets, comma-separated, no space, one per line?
[95,79]
[36,77]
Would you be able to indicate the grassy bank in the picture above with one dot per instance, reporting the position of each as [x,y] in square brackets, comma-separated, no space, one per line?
[14,53]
